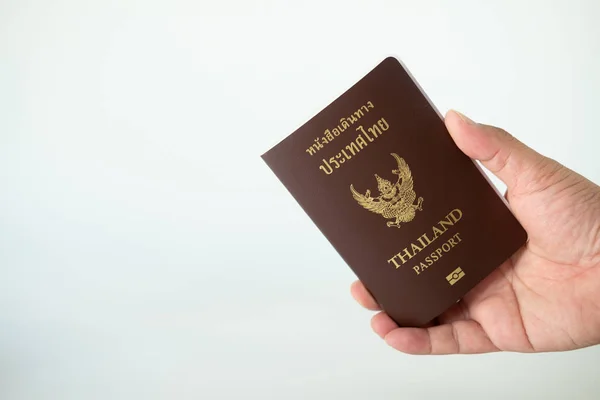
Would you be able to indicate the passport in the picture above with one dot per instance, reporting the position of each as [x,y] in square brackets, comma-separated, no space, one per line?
[377,172]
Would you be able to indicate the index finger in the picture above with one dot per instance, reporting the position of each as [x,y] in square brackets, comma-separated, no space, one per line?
[363,297]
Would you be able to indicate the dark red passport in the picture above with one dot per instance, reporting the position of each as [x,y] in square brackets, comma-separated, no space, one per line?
[415,219]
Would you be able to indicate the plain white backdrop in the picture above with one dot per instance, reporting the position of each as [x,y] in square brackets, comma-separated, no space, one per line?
[147,252]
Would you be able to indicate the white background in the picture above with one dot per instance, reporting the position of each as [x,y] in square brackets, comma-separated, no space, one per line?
[146,251]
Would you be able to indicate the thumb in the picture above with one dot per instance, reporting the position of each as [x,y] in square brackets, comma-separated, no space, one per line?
[502,154]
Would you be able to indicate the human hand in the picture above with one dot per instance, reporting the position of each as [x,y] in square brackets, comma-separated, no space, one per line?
[546,297]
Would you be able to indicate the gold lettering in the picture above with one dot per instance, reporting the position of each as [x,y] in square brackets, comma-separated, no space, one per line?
[383,124]
[353,148]
[437,232]
[454,216]
[436,254]
[328,170]
[447,222]
[426,238]
[424,241]
[415,248]
[328,136]
[375,131]
[360,141]
[406,253]
[334,161]
[393,259]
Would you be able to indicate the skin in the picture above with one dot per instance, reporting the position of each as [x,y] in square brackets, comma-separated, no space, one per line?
[544,298]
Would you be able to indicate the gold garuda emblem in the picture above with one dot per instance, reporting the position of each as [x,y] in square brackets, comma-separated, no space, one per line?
[395,201]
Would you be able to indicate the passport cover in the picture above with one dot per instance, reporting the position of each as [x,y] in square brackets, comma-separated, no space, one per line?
[415,218]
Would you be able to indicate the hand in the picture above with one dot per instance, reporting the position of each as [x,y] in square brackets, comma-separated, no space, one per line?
[544,298]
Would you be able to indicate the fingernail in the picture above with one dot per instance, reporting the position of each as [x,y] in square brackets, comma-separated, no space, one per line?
[465,118]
